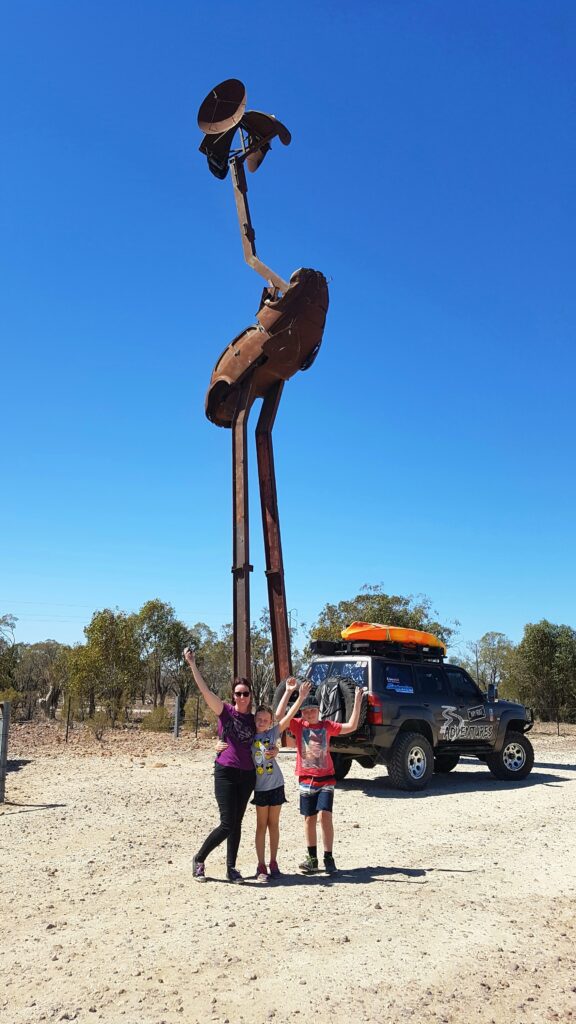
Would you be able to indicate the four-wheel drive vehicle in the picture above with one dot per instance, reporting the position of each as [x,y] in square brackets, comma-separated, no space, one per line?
[421,714]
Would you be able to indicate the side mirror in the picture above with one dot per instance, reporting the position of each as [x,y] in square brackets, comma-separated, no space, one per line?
[492,692]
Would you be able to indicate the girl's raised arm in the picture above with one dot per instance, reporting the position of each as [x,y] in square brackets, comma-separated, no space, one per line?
[212,700]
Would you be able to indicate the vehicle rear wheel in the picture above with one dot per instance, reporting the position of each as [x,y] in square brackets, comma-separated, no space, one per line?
[444,763]
[342,766]
[411,761]
[515,760]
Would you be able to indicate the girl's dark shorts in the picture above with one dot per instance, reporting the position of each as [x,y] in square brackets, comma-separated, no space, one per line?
[269,797]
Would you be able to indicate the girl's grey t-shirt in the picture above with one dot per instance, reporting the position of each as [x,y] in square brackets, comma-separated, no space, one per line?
[268,772]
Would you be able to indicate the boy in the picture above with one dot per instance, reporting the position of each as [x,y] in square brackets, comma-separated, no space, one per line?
[315,772]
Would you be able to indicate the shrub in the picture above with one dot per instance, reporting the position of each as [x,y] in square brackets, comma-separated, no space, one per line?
[207,720]
[159,720]
[99,723]
[12,695]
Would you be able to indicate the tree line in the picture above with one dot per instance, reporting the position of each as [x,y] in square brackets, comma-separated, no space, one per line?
[131,658]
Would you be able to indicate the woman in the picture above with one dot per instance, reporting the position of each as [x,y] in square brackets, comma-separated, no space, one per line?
[234,773]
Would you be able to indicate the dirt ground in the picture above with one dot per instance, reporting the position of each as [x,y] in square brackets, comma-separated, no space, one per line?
[455,905]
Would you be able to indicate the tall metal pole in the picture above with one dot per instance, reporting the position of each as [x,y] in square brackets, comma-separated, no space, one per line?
[271,527]
[241,567]
[4,747]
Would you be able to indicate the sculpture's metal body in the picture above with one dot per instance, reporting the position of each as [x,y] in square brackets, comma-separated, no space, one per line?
[285,339]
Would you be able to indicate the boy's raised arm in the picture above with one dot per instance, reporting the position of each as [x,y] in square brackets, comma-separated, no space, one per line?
[305,688]
[352,724]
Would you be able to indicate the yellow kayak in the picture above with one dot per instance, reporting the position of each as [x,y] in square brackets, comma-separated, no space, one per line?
[391,634]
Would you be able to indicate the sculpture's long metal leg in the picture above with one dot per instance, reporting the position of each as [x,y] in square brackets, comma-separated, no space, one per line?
[271,527]
[241,567]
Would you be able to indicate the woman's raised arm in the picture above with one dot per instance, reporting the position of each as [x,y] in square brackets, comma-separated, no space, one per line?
[212,700]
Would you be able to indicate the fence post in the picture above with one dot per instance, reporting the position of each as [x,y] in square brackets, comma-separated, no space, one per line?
[5,705]
[197,715]
[177,717]
[68,719]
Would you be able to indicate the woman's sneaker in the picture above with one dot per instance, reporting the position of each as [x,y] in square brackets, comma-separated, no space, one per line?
[275,870]
[198,871]
[234,876]
[261,874]
[309,866]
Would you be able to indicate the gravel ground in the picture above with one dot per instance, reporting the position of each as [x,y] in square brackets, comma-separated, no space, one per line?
[452,905]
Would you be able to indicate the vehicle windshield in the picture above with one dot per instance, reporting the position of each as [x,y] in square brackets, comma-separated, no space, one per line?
[356,669]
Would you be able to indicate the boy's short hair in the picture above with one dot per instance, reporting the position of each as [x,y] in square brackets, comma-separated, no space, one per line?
[310,702]
[266,708]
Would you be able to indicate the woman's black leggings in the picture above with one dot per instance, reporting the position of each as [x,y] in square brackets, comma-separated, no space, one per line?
[233,788]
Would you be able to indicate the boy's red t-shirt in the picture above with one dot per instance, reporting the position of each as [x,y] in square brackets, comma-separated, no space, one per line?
[313,758]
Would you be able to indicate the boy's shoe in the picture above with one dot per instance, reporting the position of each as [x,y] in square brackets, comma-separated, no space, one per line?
[198,871]
[309,866]
[275,870]
[261,874]
[329,865]
[234,876]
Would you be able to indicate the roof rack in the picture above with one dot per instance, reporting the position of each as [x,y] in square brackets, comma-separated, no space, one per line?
[383,648]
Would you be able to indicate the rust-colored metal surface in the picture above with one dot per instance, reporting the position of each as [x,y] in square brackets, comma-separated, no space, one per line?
[279,625]
[285,338]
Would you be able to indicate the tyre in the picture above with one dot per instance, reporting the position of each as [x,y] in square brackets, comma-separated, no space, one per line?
[411,762]
[444,763]
[336,699]
[515,760]
[342,766]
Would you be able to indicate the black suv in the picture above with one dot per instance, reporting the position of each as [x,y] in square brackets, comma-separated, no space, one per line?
[421,714]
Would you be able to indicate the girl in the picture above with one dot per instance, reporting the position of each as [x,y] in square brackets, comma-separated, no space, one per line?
[269,790]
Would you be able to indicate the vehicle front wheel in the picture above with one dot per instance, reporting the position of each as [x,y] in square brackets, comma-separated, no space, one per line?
[342,766]
[444,763]
[411,761]
[515,760]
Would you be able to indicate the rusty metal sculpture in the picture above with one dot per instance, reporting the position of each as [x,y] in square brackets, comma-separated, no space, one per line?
[285,339]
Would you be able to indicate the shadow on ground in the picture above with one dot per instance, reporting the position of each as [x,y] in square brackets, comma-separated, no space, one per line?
[551,764]
[352,876]
[17,765]
[479,781]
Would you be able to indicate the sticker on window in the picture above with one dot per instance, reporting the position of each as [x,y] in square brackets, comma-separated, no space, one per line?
[398,687]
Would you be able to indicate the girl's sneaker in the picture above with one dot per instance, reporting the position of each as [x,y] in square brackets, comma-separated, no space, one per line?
[275,870]
[198,871]
[261,874]
[234,876]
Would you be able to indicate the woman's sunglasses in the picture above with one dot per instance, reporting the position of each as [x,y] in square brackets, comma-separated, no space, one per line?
[241,693]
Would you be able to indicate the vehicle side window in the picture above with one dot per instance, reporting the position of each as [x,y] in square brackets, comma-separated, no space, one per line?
[388,679]
[430,681]
[462,686]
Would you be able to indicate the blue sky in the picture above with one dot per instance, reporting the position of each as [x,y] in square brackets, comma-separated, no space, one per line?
[430,177]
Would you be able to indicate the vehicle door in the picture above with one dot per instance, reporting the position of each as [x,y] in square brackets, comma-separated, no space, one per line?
[471,722]
[433,694]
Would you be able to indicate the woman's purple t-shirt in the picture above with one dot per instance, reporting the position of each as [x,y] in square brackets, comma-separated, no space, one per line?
[238,731]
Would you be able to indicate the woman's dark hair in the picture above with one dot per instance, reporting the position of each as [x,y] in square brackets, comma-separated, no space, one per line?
[243,682]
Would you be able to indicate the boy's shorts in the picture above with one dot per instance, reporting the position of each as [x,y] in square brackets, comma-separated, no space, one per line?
[315,798]
[269,797]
